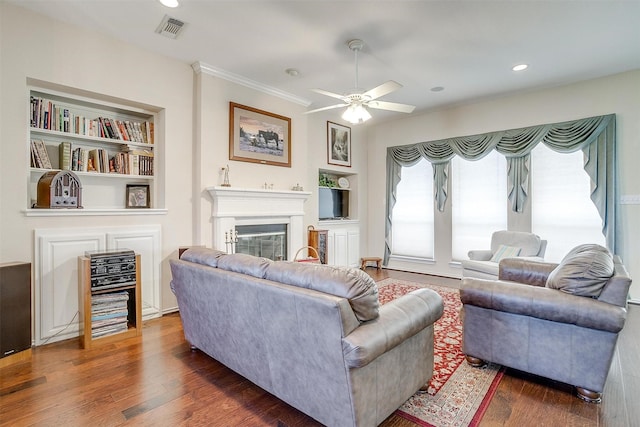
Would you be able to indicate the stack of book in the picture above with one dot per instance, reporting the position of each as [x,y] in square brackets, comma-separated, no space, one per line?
[45,114]
[129,161]
[39,155]
[109,313]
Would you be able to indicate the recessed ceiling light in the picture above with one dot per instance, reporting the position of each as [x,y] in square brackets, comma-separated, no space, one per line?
[520,67]
[169,3]
[437,89]
[292,72]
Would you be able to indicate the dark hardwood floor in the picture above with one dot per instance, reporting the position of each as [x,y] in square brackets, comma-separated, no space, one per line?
[156,380]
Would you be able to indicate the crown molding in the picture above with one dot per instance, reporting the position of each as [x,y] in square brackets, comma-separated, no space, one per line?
[201,67]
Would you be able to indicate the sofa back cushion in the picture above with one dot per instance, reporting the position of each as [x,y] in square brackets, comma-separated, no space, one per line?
[245,264]
[584,271]
[528,243]
[351,283]
[204,256]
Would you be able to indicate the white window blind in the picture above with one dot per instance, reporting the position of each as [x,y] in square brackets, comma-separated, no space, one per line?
[478,201]
[562,211]
[412,217]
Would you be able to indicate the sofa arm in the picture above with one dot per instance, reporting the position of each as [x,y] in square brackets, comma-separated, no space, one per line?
[542,303]
[399,320]
[527,271]
[480,254]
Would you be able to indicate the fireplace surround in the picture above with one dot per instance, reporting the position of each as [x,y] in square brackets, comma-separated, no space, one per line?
[243,206]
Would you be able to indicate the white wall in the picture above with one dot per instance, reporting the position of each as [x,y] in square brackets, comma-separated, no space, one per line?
[308,149]
[614,94]
[196,132]
[36,47]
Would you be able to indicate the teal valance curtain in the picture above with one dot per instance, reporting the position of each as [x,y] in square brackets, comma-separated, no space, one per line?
[595,136]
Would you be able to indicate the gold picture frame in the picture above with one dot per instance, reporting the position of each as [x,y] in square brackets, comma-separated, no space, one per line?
[258,136]
[338,144]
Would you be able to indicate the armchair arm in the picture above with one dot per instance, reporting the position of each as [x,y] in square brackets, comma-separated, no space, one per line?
[480,254]
[542,303]
[399,320]
[527,271]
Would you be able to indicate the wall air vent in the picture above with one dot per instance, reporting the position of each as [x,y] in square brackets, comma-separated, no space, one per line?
[170,27]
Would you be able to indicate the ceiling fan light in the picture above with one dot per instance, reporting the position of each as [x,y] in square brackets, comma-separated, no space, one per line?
[355,114]
[169,3]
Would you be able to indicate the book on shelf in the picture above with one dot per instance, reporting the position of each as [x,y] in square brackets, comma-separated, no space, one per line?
[46,114]
[79,159]
[99,159]
[39,155]
[64,150]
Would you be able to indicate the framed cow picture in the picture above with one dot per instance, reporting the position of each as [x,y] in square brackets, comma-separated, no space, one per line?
[258,136]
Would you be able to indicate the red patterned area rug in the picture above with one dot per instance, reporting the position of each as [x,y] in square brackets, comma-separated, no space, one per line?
[458,395]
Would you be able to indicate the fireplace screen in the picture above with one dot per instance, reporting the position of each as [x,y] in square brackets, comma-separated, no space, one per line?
[266,240]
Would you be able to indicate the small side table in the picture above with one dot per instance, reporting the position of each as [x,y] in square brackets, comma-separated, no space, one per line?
[365,260]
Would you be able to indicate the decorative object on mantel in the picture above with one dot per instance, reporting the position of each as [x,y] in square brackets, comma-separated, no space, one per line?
[58,190]
[230,240]
[297,187]
[225,182]
[266,186]
[258,136]
[338,144]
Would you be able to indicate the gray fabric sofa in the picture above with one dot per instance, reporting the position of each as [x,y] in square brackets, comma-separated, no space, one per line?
[559,321]
[312,335]
[484,263]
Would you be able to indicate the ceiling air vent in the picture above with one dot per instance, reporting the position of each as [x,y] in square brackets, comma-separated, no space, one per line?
[170,27]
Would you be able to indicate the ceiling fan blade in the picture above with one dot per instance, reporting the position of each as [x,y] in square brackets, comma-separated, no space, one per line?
[391,106]
[326,108]
[382,90]
[326,92]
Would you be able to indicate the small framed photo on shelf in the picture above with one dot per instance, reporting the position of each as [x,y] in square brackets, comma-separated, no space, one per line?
[138,196]
[338,144]
[259,136]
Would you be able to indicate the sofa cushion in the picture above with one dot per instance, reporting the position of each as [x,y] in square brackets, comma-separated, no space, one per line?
[583,271]
[528,243]
[245,264]
[350,283]
[200,255]
[505,251]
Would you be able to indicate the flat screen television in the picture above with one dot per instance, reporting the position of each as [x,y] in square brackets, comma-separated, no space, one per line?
[333,203]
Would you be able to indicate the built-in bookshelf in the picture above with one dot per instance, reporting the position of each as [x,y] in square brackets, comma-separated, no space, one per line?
[344,184]
[106,144]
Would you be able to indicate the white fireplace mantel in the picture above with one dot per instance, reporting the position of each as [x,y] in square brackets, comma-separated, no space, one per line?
[249,206]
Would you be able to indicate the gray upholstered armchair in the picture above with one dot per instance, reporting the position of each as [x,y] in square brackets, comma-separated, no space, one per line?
[559,321]
[483,263]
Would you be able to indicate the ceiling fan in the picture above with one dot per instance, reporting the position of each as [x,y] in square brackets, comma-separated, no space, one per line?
[358,101]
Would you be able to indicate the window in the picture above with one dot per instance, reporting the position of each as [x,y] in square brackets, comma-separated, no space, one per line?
[478,201]
[412,226]
[562,211]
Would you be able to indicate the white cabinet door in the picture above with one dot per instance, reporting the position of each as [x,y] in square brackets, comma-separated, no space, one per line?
[353,248]
[340,248]
[343,243]
[56,281]
[56,273]
[144,241]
